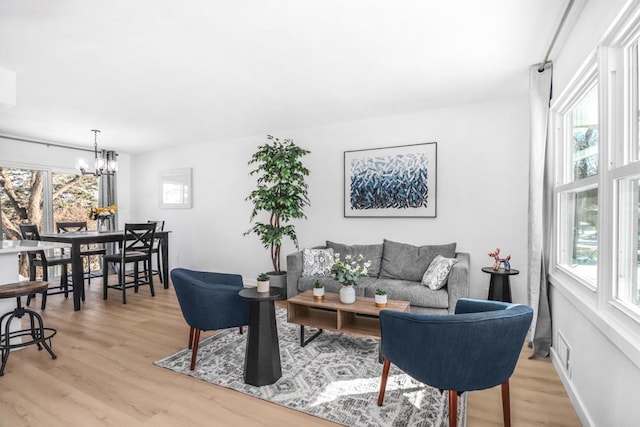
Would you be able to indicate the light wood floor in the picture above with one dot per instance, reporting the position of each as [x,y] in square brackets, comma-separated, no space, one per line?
[104,375]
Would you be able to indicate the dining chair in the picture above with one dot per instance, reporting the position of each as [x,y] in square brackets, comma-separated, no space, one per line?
[156,249]
[474,349]
[87,251]
[135,248]
[209,301]
[41,259]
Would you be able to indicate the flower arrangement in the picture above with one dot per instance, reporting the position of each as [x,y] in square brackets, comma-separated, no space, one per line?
[106,212]
[498,261]
[349,270]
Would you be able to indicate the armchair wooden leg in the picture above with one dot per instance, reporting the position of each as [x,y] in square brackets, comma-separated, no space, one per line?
[383,381]
[194,352]
[191,337]
[241,330]
[506,404]
[453,408]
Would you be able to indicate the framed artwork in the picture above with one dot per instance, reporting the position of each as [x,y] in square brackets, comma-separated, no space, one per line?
[391,182]
[175,188]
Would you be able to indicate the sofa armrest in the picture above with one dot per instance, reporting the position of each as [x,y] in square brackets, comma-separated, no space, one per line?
[294,272]
[458,283]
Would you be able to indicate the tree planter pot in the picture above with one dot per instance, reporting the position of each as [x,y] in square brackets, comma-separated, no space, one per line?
[318,294]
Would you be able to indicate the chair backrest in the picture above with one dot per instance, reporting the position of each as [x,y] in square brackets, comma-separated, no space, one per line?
[138,237]
[210,300]
[69,226]
[474,349]
[159,224]
[29,232]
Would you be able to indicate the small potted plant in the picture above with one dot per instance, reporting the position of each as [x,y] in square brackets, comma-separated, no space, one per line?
[318,291]
[263,282]
[381,298]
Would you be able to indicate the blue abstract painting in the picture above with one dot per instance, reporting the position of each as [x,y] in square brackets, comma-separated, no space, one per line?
[401,183]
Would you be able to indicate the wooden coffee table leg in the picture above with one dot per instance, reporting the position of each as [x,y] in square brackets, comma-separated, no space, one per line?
[302,341]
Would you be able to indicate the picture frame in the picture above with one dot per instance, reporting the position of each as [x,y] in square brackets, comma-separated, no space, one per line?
[175,188]
[398,181]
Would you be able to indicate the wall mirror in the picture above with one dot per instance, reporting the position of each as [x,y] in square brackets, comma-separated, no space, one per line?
[175,188]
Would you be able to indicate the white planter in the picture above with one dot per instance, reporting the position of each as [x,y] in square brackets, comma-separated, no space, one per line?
[381,300]
[263,286]
[318,293]
[347,294]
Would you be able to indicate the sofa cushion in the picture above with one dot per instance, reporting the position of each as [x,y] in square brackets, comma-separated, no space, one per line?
[414,292]
[317,262]
[407,262]
[372,253]
[436,275]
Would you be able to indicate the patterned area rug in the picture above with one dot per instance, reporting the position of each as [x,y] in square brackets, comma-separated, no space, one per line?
[335,377]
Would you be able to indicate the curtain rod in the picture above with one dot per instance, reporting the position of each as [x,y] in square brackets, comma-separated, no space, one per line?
[555,36]
[48,144]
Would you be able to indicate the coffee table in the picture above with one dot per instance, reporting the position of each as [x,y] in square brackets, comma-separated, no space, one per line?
[360,318]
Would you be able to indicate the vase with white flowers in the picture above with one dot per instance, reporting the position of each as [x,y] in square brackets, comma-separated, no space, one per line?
[347,271]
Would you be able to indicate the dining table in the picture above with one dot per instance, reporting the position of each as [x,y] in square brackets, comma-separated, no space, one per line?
[79,238]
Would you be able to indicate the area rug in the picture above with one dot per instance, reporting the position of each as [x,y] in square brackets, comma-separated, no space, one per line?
[335,377]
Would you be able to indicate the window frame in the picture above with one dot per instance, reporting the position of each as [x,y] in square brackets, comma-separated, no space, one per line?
[616,63]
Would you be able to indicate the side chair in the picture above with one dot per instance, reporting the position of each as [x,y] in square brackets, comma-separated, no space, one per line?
[134,249]
[474,349]
[209,301]
[41,259]
[87,251]
[156,249]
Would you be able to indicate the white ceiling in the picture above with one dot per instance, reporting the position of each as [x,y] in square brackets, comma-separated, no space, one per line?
[158,73]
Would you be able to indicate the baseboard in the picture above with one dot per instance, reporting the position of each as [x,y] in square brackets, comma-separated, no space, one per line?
[577,403]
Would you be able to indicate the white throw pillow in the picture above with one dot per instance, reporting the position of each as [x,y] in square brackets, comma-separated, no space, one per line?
[436,275]
[317,262]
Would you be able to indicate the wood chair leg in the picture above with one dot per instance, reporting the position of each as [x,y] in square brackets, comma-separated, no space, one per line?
[241,330]
[194,352]
[383,381]
[190,337]
[506,404]
[150,276]
[453,408]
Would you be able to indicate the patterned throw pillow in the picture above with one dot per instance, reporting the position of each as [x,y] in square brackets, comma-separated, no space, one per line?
[317,262]
[436,275]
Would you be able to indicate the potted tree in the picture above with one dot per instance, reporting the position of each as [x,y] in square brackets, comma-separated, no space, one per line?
[282,193]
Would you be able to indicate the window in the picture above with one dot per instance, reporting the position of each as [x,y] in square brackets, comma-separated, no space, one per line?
[577,191]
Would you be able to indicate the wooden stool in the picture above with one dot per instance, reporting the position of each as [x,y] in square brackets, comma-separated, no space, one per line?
[37,332]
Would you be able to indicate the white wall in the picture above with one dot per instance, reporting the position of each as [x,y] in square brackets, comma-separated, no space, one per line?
[482,190]
[602,381]
[23,154]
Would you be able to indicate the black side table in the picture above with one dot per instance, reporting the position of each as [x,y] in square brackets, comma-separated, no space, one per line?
[262,357]
[499,287]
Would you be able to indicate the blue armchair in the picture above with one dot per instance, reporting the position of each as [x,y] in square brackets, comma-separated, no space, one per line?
[209,301]
[474,349]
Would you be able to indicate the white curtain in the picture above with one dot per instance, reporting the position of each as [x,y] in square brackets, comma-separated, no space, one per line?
[539,207]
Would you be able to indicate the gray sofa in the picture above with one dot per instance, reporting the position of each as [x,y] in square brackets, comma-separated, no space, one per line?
[395,267]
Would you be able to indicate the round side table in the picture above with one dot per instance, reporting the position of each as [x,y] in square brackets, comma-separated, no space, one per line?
[262,356]
[499,286]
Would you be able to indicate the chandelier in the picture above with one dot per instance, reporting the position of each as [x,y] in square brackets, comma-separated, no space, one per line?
[103,165]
